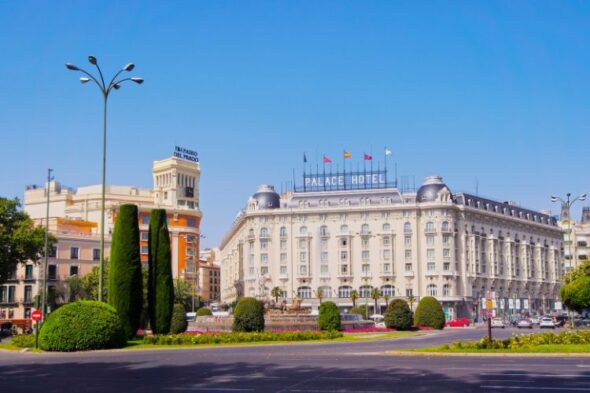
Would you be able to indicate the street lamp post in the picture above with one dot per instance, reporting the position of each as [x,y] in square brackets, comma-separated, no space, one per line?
[105,89]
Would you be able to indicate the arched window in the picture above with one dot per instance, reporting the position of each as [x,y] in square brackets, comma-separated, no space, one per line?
[323,230]
[326,292]
[365,291]
[365,229]
[431,290]
[263,232]
[344,292]
[429,226]
[343,228]
[388,290]
[303,231]
[304,292]
[447,290]
[283,232]
[445,226]
[407,227]
[386,227]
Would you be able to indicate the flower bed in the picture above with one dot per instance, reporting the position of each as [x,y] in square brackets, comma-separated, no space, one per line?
[519,341]
[235,338]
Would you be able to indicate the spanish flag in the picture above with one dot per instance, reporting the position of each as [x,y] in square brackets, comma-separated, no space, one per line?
[347,154]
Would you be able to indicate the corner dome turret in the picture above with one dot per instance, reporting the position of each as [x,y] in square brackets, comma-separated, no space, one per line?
[429,190]
[266,197]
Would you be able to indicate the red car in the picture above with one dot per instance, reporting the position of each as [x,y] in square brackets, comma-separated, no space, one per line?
[461,322]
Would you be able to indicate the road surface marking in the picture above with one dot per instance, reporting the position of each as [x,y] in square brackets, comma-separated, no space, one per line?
[535,375]
[532,388]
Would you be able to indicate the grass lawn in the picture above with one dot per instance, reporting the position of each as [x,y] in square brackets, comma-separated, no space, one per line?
[548,348]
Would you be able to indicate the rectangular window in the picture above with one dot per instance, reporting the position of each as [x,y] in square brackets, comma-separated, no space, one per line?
[365,255]
[3,293]
[52,252]
[190,251]
[264,245]
[446,239]
[145,236]
[74,252]
[387,267]
[264,259]
[344,256]
[28,294]
[430,266]
[302,256]
[446,252]
[303,270]
[303,244]
[386,241]
[144,250]
[52,272]
[324,269]
[283,258]
[283,245]
[251,271]
[191,222]
[324,256]
[408,267]
[11,294]
[189,238]
[264,270]
[343,242]
[430,240]
[284,270]
[365,243]
[145,219]
[96,254]
[446,266]
[409,292]
[430,253]
[324,244]
[407,241]
[343,269]
[386,255]
[28,272]
[408,254]
[74,270]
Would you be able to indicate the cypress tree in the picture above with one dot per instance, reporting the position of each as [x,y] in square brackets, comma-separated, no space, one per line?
[125,284]
[161,287]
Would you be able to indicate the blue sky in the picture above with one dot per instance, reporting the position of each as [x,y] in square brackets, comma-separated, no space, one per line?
[498,91]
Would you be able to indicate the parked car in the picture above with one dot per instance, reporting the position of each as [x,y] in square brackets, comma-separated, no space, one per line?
[461,322]
[498,323]
[546,323]
[535,320]
[514,319]
[524,324]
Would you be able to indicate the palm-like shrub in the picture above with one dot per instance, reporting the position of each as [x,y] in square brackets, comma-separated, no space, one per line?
[179,323]
[398,315]
[204,312]
[125,286]
[429,313]
[329,318]
[248,316]
[81,326]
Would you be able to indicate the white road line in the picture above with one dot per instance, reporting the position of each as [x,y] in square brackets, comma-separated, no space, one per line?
[216,389]
[362,378]
[532,388]
[534,375]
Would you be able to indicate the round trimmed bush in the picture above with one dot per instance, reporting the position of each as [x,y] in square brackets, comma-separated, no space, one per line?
[429,313]
[329,318]
[82,326]
[248,316]
[398,315]
[204,312]
[179,324]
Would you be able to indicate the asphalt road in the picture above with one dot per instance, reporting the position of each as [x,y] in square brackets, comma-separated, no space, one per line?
[327,367]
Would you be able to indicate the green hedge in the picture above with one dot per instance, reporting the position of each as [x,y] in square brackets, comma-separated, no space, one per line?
[204,312]
[248,316]
[398,315]
[429,313]
[82,325]
[24,340]
[179,323]
[517,341]
[125,281]
[241,337]
[329,318]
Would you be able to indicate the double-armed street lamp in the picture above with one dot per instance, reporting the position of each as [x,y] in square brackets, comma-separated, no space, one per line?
[567,204]
[105,89]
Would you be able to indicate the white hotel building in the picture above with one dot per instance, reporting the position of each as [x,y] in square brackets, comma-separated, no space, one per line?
[455,247]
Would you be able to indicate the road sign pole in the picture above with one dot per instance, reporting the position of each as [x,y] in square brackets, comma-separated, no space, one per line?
[37,335]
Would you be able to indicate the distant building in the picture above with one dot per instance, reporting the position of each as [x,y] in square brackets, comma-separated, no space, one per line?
[576,247]
[75,221]
[209,275]
[353,231]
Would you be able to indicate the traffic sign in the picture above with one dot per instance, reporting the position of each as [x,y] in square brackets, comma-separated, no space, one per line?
[489,305]
[36,315]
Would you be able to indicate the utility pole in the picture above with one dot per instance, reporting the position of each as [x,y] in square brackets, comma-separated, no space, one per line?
[46,252]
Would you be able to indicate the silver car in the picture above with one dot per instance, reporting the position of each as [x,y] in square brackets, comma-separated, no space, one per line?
[546,323]
[524,324]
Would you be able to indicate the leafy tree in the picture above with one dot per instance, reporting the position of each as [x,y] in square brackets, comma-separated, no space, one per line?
[319,294]
[74,289]
[411,300]
[20,240]
[354,295]
[161,288]
[398,315]
[582,270]
[248,315]
[329,318]
[125,286]
[179,323]
[576,294]
[90,282]
[183,293]
[429,313]
[276,292]
[375,295]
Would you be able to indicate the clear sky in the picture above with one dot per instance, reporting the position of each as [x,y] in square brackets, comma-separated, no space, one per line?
[493,90]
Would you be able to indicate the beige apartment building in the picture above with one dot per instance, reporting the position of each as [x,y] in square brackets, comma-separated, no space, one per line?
[576,247]
[209,275]
[456,247]
[74,219]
